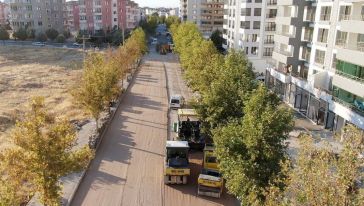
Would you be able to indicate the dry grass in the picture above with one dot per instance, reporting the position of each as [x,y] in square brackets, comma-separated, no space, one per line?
[28,72]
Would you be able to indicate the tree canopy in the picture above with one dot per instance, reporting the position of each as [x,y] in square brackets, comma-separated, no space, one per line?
[43,151]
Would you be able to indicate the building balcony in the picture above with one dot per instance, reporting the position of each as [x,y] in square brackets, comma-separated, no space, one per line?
[284,38]
[287,2]
[285,20]
[271,2]
[343,81]
[353,53]
[269,41]
[281,74]
[352,24]
[355,106]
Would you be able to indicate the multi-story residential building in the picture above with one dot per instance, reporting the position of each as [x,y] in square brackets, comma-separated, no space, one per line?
[174,12]
[208,15]
[38,15]
[4,13]
[72,16]
[102,15]
[133,15]
[249,25]
[318,64]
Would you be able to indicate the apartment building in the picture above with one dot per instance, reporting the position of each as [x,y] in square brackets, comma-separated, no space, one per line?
[249,25]
[102,15]
[72,16]
[206,14]
[4,13]
[318,60]
[133,15]
[36,14]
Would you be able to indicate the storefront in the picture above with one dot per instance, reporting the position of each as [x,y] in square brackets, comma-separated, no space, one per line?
[301,97]
[317,110]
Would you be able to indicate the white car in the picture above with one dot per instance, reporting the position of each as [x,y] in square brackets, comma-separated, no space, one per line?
[176,102]
[76,45]
[154,41]
[38,44]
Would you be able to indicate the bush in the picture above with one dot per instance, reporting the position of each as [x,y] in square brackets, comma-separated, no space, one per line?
[41,37]
[21,34]
[60,38]
[52,34]
[4,35]
[67,34]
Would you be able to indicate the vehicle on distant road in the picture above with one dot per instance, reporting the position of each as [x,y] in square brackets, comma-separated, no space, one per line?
[76,45]
[154,41]
[38,44]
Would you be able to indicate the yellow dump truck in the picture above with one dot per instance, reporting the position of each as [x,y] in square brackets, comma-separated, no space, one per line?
[176,167]
[210,181]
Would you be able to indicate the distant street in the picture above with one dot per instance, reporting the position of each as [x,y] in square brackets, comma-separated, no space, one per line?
[128,167]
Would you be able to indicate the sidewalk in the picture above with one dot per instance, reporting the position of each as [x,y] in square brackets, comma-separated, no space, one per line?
[320,135]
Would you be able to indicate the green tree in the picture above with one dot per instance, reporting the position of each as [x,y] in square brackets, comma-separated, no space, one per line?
[52,34]
[97,86]
[67,34]
[231,87]
[318,170]
[4,35]
[60,38]
[216,37]
[21,34]
[44,151]
[42,37]
[172,20]
[30,33]
[250,150]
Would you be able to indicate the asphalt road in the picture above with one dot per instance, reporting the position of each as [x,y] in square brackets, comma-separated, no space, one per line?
[128,167]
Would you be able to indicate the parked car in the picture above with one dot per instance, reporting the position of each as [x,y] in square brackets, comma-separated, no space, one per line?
[38,44]
[76,45]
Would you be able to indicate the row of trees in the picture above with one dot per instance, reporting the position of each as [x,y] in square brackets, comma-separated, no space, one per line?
[43,148]
[102,73]
[246,121]
[24,34]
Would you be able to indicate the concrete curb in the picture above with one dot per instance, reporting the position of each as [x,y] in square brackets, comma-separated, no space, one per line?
[121,97]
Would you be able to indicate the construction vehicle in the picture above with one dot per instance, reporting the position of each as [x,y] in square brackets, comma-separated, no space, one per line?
[210,181]
[176,170]
[188,128]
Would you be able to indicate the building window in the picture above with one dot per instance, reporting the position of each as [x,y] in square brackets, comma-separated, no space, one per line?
[319,57]
[246,50]
[245,12]
[245,24]
[268,51]
[322,35]
[257,12]
[325,13]
[254,37]
[256,25]
[269,39]
[254,51]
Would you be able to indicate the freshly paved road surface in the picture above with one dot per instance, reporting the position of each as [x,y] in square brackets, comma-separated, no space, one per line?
[128,167]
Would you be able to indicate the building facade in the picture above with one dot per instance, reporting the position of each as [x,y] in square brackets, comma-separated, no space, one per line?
[208,15]
[249,25]
[4,13]
[133,15]
[101,15]
[72,16]
[37,15]
[318,65]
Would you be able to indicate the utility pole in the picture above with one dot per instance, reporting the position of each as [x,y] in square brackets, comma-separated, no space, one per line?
[123,32]
[84,43]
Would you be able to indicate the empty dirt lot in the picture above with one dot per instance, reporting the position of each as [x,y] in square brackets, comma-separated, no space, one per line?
[27,72]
